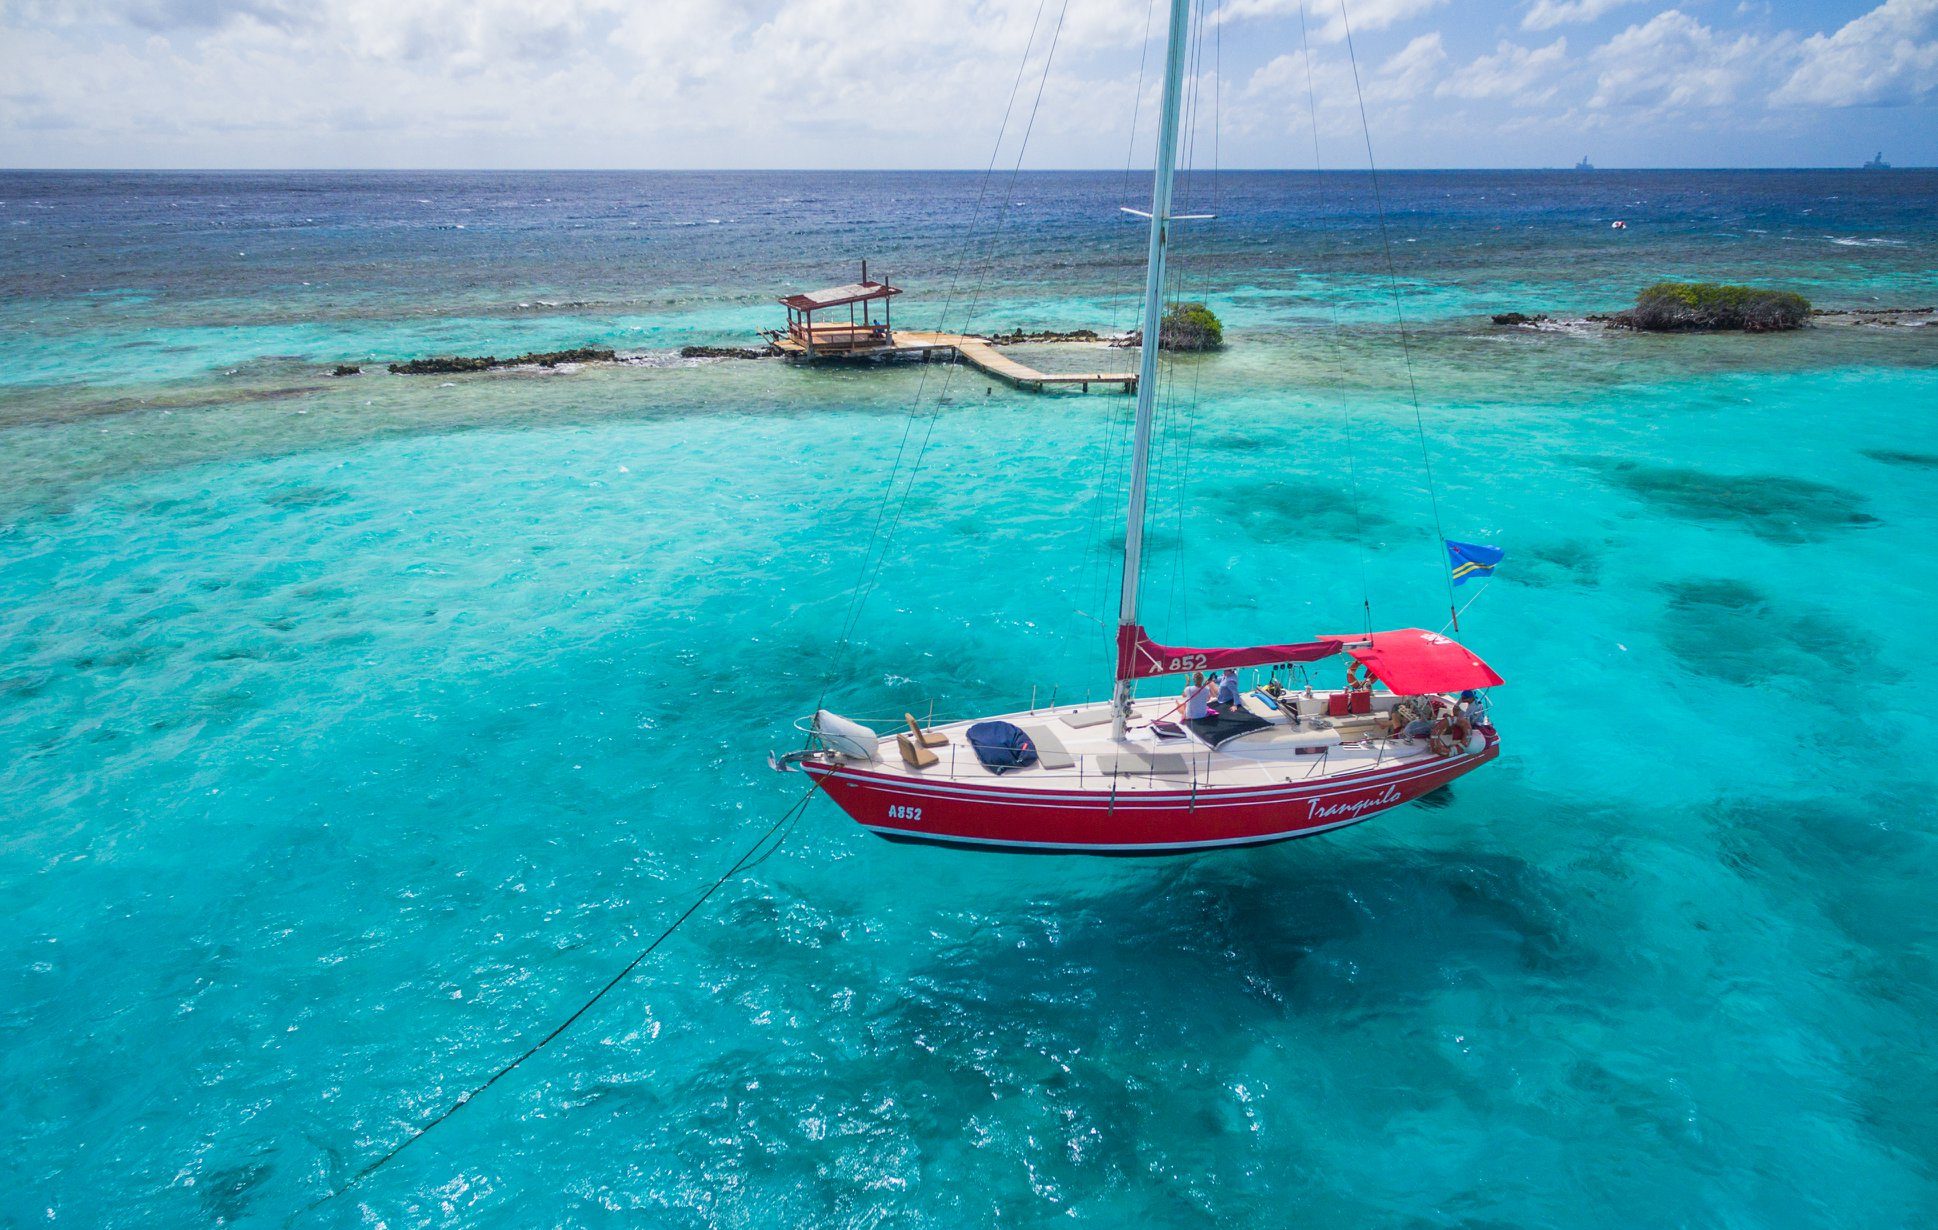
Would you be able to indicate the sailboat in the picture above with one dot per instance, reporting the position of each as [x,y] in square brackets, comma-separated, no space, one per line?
[1124,778]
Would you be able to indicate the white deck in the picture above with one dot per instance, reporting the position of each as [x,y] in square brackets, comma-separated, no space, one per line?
[1315,749]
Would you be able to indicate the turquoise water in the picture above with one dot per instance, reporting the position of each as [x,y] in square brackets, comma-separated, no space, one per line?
[355,730]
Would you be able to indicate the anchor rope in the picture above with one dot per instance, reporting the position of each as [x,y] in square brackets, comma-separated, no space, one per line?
[1399,315]
[759,852]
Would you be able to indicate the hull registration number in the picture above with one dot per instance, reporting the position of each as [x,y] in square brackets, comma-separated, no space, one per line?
[902,811]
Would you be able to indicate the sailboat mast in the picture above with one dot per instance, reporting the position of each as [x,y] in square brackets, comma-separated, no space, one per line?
[1167,148]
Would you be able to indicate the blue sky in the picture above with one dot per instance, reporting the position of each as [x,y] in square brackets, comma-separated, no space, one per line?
[921,83]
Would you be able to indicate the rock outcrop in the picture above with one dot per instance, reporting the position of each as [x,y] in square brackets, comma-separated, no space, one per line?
[723,352]
[1017,337]
[451,364]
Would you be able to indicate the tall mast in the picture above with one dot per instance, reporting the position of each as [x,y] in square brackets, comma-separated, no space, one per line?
[1167,149]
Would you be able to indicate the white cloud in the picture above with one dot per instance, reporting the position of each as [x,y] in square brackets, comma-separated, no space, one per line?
[907,82]
[1547,14]
[1511,72]
[546,82]
[1888,56]
[1675,62]
[1410,71]
[1329,19]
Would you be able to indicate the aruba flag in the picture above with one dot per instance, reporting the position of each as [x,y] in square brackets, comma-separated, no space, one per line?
[1469,559]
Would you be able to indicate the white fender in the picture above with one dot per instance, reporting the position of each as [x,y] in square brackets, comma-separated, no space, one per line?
[848,738]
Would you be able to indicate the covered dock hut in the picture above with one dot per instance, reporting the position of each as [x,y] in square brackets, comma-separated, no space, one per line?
[858,333]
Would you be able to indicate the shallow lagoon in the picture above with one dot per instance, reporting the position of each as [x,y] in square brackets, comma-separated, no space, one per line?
[355,728]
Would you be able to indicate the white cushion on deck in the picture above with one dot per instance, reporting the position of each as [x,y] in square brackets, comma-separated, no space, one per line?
[1096,715]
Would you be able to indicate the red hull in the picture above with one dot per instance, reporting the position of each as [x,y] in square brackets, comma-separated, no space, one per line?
[1144,822]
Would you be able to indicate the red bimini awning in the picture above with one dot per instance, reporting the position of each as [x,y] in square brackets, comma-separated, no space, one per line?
[1140,657]
[1411,661]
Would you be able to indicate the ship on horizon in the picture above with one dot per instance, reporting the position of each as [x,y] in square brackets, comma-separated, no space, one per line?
[1584,164]
[1877,163]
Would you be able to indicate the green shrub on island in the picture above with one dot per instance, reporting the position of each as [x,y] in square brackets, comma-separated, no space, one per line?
[1190,326]
[1669,307]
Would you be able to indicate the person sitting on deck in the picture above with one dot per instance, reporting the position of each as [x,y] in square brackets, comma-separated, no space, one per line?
[1473,707]
[1411,718]
[1451,732]
[1228,690]
[1197,698]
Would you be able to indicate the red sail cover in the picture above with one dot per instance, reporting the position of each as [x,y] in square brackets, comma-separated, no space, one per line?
[1412,661]
[1139,657]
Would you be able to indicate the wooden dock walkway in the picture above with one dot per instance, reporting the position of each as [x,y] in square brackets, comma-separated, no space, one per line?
[975,351]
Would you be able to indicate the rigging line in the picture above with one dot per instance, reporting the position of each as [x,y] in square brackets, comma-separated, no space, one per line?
[1115,431]
[1332,310]
[1399,316]
[1217,109]
[1130,152]
[949,376]
[857,594]
[1167,477]
[746,860]
[1468,603]
[1009,186]
[1202,271]
[1192,112]
[1117,305]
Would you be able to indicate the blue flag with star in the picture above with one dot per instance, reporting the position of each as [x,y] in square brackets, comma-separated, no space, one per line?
[1470,559]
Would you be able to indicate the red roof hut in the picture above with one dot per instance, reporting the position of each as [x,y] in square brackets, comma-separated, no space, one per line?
[859,333]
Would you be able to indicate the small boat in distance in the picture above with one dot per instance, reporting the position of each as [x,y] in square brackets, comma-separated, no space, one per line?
[1877,163]
[1164,774]
[1618,225]
[1584,164]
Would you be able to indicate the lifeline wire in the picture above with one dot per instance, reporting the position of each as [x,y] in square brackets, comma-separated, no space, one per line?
[753,856]
[1399,315]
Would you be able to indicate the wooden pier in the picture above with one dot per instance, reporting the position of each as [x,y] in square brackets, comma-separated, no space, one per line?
[975,351]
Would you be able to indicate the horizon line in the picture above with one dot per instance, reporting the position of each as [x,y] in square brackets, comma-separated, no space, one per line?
[1391,170]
